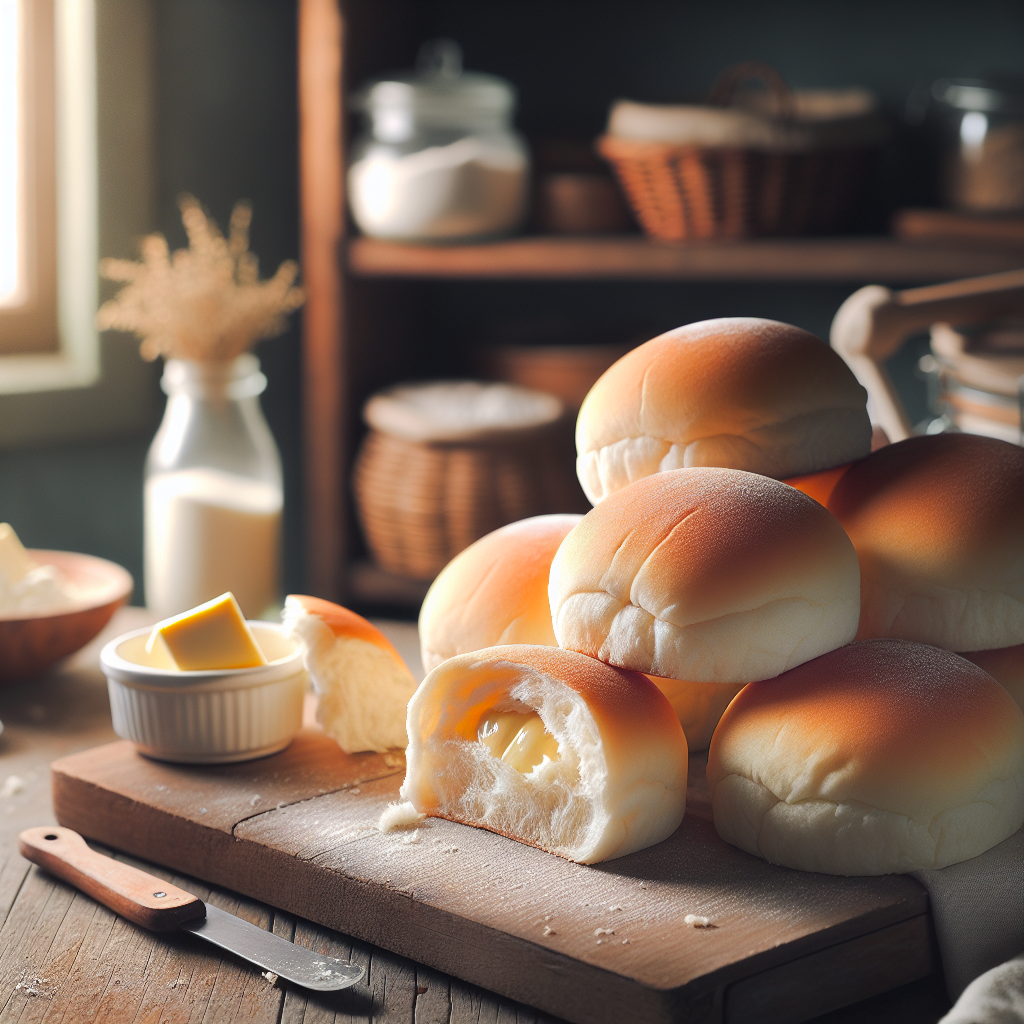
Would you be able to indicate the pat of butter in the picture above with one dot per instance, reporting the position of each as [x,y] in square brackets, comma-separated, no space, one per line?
[214,635]
[15,563]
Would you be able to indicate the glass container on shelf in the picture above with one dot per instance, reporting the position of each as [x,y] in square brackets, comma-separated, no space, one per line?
[438,159]
[213,491]
[983,145]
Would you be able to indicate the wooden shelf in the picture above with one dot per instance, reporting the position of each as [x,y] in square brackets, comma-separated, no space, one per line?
[539,257]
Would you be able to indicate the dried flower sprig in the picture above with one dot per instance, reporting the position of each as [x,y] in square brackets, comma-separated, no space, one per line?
[204,302]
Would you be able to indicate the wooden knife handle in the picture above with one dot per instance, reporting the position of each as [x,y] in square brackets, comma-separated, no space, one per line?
[143,899]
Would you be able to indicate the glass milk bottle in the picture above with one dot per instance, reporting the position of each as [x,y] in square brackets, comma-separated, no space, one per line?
[213,493]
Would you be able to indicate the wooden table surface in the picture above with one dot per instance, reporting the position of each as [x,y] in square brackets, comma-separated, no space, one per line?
[64,957]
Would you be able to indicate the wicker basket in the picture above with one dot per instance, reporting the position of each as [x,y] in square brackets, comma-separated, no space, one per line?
[684,191]
[421,502]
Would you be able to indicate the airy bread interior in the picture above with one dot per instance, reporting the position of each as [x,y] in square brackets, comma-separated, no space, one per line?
[363,686]
[617,784]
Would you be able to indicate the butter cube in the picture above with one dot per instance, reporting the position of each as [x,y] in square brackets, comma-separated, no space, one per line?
[214,635]
[15,563]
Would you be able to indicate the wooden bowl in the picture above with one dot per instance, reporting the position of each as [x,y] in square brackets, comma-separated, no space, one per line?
[32,642]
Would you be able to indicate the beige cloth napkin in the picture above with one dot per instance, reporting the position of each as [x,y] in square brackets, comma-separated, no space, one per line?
[997,997]
[978,910]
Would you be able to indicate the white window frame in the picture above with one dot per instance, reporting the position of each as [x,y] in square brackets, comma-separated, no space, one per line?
[92,386]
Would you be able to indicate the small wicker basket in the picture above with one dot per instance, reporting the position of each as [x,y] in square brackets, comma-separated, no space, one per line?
[805,183]
[423,499]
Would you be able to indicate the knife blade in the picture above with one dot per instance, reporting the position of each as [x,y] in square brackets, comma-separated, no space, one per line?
[158,906]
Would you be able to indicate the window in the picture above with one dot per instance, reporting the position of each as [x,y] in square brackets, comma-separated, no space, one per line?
[76,108]
[28,226]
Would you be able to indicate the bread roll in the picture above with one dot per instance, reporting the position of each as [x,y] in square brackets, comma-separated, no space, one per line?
[494,592]
[938,524]
[819,486]
[698,706]
[739,393]
[881,756]
[709,575]
[362,684]
[1006,666]
[547,747]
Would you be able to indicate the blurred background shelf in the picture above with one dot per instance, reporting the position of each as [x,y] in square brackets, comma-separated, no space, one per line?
[542,257]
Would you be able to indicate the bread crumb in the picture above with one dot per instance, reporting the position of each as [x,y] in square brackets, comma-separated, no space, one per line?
[255,800]
[397,816]
[394,760]
[13,784]
[600,942]
[549,931]
[411,837]
[697,921]
[270,976]
[604,931]
[355,791]
[625,942]
[547,917]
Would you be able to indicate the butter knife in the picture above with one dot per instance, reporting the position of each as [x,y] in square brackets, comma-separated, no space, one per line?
[158,906]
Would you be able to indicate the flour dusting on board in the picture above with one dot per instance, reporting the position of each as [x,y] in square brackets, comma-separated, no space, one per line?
[396,816]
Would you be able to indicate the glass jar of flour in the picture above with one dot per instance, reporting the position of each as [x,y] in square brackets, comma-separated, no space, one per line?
[213,493]
[438,159]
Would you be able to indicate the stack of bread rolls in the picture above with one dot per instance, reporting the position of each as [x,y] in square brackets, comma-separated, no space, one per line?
[747,554]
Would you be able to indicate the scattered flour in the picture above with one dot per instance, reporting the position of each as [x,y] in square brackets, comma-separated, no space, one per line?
[12,784]
[396,816]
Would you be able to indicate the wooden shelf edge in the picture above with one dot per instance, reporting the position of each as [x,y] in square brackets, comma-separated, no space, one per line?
[539,257]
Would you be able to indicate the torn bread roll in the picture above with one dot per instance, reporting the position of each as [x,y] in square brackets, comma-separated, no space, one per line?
[494,592]
[709,575]
[937,524]
[1006,666]
[883,756]
[739,393]
[363,686]
[547,747]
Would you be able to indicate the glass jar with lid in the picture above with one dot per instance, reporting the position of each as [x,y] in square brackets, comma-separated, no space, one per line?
[438,159]
[983,144]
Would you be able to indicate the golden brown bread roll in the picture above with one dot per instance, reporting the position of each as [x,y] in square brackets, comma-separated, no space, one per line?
[1006,666]
[547,747]
[881,756]
[937,524]
[494,592]
[698,706]
[740,392]
[709,575]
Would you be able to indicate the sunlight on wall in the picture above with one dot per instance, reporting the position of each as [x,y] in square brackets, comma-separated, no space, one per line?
[11,285]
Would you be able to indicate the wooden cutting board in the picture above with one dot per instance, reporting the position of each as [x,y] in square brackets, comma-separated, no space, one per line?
[591,944]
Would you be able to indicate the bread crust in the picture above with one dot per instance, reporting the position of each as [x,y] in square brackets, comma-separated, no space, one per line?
[1006,666]
[739,392]
[937,524]
[882,756]
[494,592]
[619,783]
[709,575]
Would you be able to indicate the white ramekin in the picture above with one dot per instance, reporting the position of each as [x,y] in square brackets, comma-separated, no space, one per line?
[210,717]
